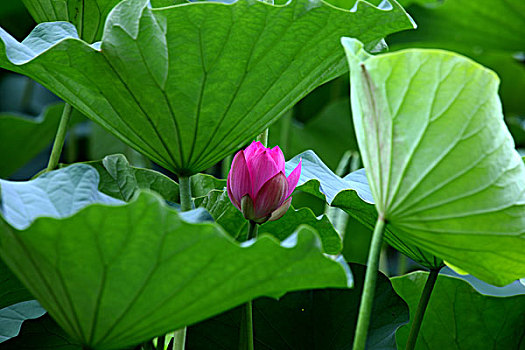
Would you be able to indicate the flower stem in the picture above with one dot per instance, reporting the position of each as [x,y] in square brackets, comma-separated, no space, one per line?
[367,298]
[421,308]
[263,137]
[246,333]
[179,335]
[185,193]
[59,138]
[246,336]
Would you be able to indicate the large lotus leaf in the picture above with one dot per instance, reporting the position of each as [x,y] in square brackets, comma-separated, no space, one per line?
[352,194]
[440,161]
[114,274]
[458,317]
[12,317]
[230,218]
[187,85]
[315,319]
[88,16]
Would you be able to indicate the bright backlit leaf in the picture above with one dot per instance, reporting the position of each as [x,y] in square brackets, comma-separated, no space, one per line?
[187,85]
[114,274]
[440,161]
[352,194]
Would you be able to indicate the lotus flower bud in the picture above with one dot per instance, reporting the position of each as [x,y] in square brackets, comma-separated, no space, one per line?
[257,183]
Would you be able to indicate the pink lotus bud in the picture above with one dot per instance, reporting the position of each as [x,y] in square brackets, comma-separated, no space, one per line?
[257,184]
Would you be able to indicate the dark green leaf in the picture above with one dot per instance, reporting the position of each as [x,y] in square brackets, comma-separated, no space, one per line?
[40,334]
[231,219]
[475,25]
[114,274]
[11,290]
[23,138]
[321,319]
[458,317]
[190,84]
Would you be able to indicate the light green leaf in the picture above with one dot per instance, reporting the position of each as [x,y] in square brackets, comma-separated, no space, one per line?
[12,317]
[319,319]
[187,85]
[231,219]
[114,274]
[440,161]
[458,317]
[87,16]
[352,194]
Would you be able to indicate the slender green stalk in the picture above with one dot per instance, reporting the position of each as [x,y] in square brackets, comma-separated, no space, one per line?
[421,308]
[185,205]
[263,138]
[367,298]
[252,230]
[185,193]
[59,138]
[246,333]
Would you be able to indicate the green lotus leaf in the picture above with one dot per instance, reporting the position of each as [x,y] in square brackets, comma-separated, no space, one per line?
[87,16]
[11,290]
[313,319]
[120,180]
[23,138]
[231,219]
[114,274]
[469,319]
[352,194]
[440,161]
[187,85]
